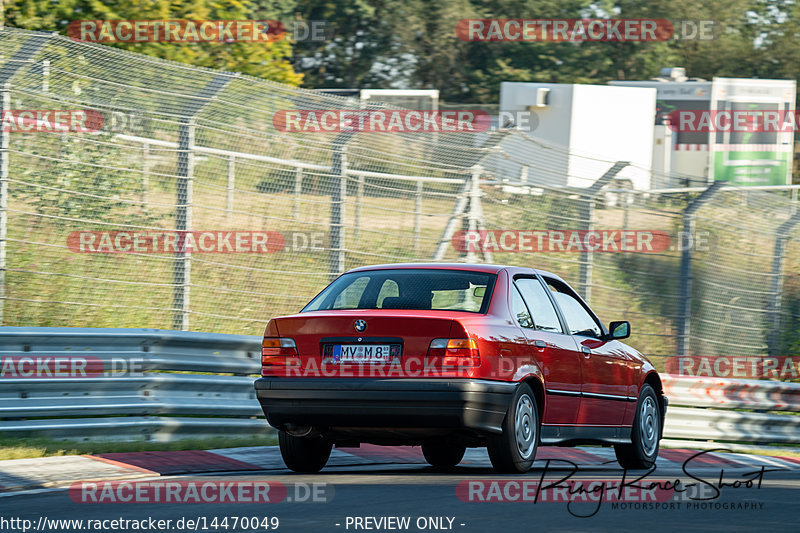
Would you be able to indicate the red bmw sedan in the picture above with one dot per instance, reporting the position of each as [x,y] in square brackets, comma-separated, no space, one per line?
[450,356]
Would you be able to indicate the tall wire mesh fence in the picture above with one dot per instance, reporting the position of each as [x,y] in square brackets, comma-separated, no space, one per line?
[185,149]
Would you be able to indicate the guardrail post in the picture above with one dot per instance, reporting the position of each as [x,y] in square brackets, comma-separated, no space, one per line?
[685,276]
[586,210]
[21,57]
[182,266]
[338,198]
[776,284]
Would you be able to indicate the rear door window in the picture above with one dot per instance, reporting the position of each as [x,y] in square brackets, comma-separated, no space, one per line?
[542,311]
[520,310]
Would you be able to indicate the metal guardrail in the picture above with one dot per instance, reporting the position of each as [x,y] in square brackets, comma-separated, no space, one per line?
[150,394]
[148,399]
[724,410]
[157,429]
[149,349]
[732,393]
[158,403]
[686,423]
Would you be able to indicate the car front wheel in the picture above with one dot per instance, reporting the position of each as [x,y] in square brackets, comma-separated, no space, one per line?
[304,454]
[515,450]
[641,453]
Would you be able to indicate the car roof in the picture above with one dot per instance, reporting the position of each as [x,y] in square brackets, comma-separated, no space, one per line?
[471,267]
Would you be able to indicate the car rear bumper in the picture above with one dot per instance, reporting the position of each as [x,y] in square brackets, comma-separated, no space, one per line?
[478,405]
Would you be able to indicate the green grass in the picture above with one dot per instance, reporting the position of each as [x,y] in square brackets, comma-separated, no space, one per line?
[30,448]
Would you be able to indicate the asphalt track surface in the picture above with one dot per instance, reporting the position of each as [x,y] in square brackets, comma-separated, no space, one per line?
[375,486]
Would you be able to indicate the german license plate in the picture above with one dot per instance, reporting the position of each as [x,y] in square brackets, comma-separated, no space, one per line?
[361,353]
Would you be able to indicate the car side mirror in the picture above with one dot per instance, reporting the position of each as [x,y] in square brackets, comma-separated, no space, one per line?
[619,330]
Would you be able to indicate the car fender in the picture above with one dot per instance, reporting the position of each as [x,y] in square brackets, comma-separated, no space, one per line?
[526,371]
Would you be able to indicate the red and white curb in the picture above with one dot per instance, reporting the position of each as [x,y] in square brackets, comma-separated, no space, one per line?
[42,473]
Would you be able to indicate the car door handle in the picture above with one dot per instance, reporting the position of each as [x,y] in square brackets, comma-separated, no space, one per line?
[540,344]
[586,350]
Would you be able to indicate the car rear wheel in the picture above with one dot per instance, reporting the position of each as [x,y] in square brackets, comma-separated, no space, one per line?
[515,450]
[641,453]
[442,454]
[304,454]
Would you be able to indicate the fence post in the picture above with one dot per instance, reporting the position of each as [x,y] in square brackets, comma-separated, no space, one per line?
[338,198]
[46,76]
[230,188]
[145,174]
[417,216]
[776,284]
[473,214]
[523,174]
[587,218]
[462,200]
[359,199]
[21,57]
[298,191]
[626,199]
[685,275]
[182,266]
[5,105]
[183,223]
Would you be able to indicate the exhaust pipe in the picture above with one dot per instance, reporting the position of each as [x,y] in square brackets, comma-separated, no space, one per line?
[299,431]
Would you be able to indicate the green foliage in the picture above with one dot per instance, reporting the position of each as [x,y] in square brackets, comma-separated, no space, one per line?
[789,336]
[413,43]
[75,179]
[265,60]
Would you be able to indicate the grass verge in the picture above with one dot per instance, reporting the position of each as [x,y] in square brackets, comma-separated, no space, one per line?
[40,447]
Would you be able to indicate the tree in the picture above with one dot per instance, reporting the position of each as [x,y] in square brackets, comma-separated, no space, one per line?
[364,49]
[264,60]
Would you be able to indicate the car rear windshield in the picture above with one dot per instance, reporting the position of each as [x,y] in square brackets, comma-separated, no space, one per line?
[418,288]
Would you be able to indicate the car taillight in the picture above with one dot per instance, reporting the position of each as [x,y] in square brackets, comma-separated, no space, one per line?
[455,352]
[276,351]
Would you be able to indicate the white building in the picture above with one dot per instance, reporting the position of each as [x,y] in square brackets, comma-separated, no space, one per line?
[581,128]
[741,157]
